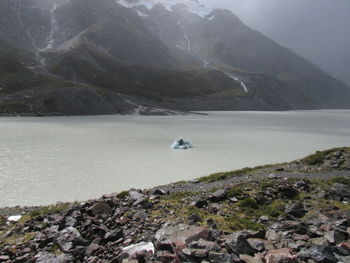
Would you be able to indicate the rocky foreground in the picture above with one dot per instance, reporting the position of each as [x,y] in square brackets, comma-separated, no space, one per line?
[286,213]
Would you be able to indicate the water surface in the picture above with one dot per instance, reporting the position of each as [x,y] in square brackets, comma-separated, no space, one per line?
[44,160]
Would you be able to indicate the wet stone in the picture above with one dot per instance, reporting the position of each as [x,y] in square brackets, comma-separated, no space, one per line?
[322,254]
[101,208]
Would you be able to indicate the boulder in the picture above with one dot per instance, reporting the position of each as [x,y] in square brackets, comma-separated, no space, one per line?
[282,255]
[344,248]
[322,254]
[218,196]
[141,215]
[69,238]
[15,218]
[250,259]
[318,241]
[137,197]
[166,256]
[293,226]
[101,208]
[272,235]
[113,235]
[91,249]
[4,258]
[179,236]
[237,242]
[204,244]
[45,257]
[215,257]
[260,244]
[288,192]
[139,248]
[339,192]
[195,253]
[336,236]
[297,210]
[200,203]
[194,218]
[158,192]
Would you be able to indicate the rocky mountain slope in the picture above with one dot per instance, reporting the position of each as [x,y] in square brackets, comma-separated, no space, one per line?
[292,212]
[83,57]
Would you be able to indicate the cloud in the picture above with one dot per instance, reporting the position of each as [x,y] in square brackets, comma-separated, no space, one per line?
[316,29]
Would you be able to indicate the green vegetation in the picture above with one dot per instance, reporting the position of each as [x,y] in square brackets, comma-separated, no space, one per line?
[341,180]
[320,156]
[248,203]
[225,175]
[234,192]
[317,158]
[16,238]
[123,195]
[49,210]
[236,223]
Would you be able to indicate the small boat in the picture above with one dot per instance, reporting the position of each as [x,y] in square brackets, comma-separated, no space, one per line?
[181,144]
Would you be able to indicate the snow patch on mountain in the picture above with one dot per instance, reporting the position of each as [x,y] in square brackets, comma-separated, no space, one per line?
[211,17]
[243,85]
[193,6]
[141,14]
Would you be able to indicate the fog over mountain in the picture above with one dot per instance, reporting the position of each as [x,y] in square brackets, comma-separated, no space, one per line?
[317,30]
[78,57]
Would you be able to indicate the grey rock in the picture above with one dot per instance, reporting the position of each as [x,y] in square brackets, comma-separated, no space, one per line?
[69,237]
[237,242]
[101,208]
[196,253]
[135,195]
[250,259]
[4,258]
[296,209]
[140,215]
[215,257]
[51,258]
[114,235]
[257,244]
[344,248]
[200,203]
[336,236]
[139,248]
[218,196]
[272,235]
[179,236]
[91,249]
[322,254]
[318,241]
[339,192]
[194,218]
[282,255]
[288,192]
[158,192]
[204,244]
[166,256]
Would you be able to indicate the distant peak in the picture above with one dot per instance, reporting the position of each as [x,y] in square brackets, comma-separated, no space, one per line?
[193,6]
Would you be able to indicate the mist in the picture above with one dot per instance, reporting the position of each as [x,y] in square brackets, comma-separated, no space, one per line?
[317,30]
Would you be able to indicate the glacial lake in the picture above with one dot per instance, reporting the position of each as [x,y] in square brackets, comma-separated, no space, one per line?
[45,160]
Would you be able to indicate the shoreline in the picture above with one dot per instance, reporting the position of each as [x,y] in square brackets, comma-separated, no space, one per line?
[294,169]
[291,212]
[189,113]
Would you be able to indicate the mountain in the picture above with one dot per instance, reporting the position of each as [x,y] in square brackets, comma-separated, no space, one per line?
[317,30]
[76,57]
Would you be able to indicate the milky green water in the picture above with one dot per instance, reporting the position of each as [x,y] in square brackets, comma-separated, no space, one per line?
[45,160]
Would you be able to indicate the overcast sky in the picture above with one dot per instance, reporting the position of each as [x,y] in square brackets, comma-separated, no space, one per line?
[317,29]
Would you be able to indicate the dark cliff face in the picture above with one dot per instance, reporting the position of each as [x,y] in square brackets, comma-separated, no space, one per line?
[174,58]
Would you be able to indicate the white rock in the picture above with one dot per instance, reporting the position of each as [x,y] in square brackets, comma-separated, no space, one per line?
[14,218]
[137,248]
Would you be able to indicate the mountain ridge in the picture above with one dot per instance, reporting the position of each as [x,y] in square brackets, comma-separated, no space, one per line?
[173,57]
